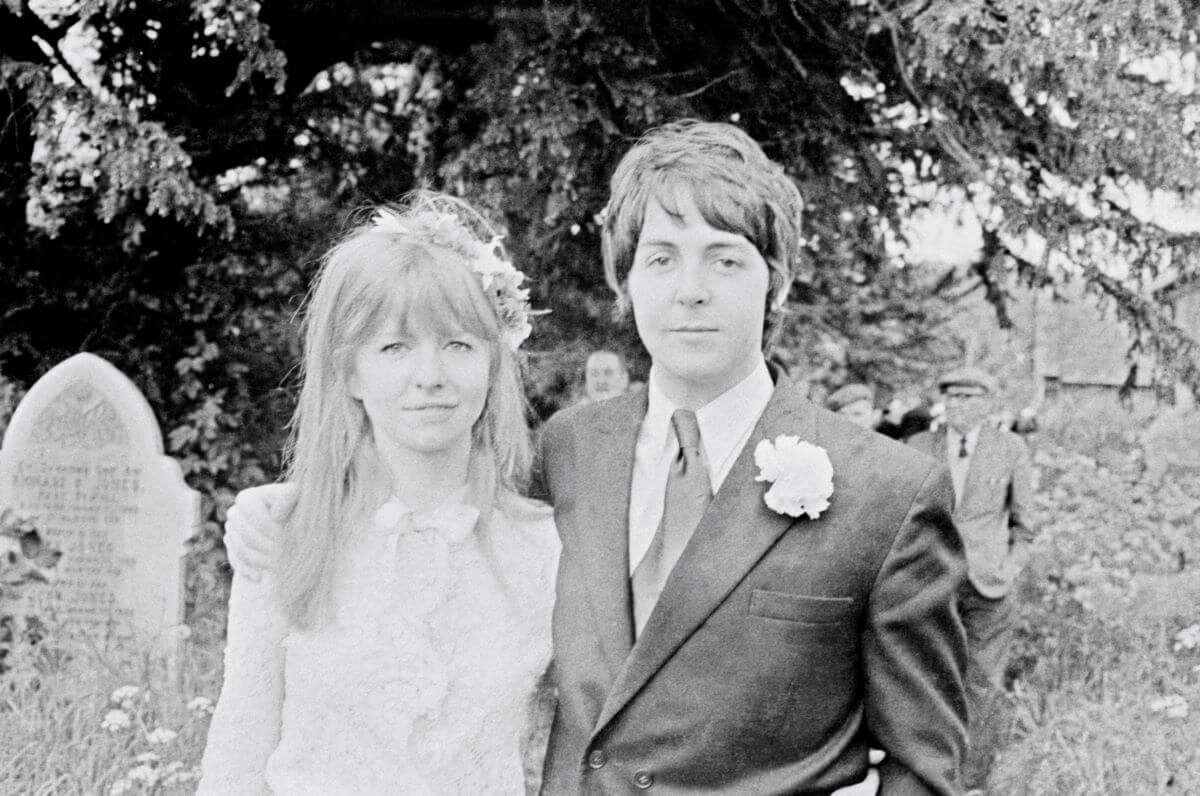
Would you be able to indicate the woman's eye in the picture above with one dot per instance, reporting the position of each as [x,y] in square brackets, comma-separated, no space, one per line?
[459,345]
[657,260]
[398,347]
[728,263]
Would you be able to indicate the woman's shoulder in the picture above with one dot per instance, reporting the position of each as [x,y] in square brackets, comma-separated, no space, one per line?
[528,512]
[530,521]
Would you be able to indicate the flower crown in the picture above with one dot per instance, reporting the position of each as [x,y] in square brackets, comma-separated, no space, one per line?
[500,279]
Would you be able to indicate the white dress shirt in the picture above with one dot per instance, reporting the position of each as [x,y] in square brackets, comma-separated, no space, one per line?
[725,426]
[960,465]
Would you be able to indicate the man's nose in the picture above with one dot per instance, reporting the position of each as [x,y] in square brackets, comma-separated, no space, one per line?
[692,286]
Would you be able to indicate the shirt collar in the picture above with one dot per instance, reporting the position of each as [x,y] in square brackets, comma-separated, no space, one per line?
[453,519]
[972,436]
[721,419]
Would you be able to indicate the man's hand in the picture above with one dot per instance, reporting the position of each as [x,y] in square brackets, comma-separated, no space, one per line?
[253,523]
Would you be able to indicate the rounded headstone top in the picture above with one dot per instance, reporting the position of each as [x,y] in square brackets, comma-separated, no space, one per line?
[84,403]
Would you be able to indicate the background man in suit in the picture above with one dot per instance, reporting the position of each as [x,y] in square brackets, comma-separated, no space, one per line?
[711,643]
[856,403]
[605,375]
[993,485]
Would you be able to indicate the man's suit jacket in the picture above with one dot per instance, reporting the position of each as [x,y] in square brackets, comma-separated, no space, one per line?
[992,514]
[780,648]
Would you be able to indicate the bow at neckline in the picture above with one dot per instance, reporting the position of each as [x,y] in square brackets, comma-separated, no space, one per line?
[420,545]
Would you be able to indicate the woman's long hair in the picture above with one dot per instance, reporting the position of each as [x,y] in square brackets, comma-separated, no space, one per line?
[407,269]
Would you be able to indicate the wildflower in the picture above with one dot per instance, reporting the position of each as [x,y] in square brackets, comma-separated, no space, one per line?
[1173,706]
[120,787]
[116,720]
[576,229]
[143,773]
[171,773]
[1188,638]
[181,776]
[125,695]
[200,704]
[160,736]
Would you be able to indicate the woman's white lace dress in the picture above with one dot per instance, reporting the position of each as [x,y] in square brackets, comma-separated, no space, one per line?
[422,683]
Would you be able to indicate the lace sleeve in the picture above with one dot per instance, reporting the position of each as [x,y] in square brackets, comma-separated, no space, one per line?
[245,726]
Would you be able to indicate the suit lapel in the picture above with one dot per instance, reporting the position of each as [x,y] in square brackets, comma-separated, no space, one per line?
[733,535]
[605,455]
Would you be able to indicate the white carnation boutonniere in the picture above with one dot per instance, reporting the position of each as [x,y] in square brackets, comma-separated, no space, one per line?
[800,474]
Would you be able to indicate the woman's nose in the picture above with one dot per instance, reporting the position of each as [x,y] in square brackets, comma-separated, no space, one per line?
[430,371]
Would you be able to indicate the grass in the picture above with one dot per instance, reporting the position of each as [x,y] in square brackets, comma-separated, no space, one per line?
[1104,682]
[53,738]
[1105,686]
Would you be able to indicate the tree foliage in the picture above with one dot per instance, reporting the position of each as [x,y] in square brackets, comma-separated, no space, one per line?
[169,171]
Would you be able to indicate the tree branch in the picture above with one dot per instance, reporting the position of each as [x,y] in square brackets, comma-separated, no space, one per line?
[38,29]
[697,92]
[949,142]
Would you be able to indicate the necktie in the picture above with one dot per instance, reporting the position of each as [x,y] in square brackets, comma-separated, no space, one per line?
[962,447]
[688,494]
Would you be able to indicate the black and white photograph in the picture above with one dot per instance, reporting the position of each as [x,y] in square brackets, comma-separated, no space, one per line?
[451,398]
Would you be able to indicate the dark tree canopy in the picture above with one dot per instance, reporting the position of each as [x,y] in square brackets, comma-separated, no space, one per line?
[163,201]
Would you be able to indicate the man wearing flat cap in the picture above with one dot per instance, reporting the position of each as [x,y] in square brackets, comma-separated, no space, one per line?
[993,487]
[856,403]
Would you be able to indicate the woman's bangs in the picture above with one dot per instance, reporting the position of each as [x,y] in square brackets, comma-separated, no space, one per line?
[436,293]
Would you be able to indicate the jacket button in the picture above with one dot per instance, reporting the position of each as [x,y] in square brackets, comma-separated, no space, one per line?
[643,779]
[597,759]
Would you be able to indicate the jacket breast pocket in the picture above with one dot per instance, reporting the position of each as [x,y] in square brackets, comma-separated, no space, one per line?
[802,608]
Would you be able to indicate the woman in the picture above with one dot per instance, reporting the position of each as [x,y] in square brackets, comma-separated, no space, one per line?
[396,644]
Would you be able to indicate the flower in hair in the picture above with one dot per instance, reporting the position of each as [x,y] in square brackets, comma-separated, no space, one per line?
[499,278]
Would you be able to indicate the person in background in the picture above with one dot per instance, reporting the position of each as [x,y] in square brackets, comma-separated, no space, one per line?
[993,487]
[604,376]
[893,413]
[856,403]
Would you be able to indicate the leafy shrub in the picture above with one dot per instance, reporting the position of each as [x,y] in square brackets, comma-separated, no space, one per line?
[1104,670]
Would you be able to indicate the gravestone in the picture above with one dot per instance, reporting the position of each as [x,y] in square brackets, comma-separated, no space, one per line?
[84,454]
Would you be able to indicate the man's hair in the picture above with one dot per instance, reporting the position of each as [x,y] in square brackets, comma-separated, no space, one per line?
[735,187]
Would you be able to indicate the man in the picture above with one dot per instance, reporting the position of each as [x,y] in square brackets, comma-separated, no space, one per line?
[605,376]
[856,403]
[774,650]
[993,486]
[705,642]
